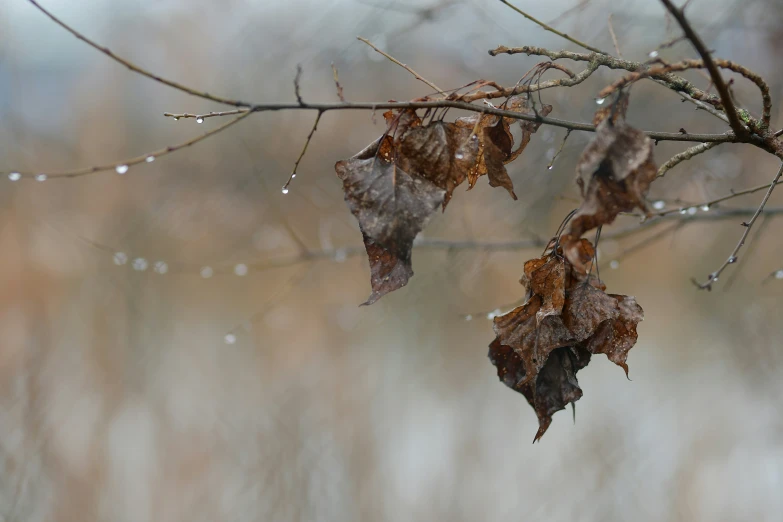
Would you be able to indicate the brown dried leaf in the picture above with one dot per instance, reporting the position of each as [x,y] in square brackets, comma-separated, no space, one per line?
[617,336]
[614,174]
[540,345]
[578,251]
[439,152]
[391,206]
[387,271]
[617,110]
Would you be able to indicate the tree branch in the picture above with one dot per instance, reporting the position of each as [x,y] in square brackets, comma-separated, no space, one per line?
[717,79]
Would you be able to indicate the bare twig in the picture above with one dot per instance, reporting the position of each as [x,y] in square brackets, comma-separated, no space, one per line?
[717,79]
[396,61]
[121,167]
[709,204]
[684,156]
[559,150]
[304,149]
[297,91]
[713,277]
[614,38]
[135,68]
[202,117]
[337,83]
[553,30]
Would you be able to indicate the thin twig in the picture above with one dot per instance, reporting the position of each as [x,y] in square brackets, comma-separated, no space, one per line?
[614,37]
[559,150]
[121,167]
[713,277]
[304,149]
[684,156]
[763,225]
[202,117]
[135,68]
[553,30]
[297,91]
[717,79]
[396,61]
[713,202]
[337,83]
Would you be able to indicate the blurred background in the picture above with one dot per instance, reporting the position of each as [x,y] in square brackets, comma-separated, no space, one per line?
[142,379]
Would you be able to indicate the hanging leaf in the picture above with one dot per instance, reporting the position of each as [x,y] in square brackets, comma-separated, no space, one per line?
[614,174]
[387,271]
[567,316]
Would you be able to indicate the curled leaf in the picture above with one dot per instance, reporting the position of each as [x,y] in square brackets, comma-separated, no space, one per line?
[614,174]
[387,271]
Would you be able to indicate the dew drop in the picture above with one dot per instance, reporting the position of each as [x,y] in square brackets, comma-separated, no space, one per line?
[549,167]
[494,313]
[240,269]
[600,101]
[659,205]
[653,54]
[230,338]
[692,211]
[779,274]
[161,267]
[120,258]
[474,137]
[285,190]
[121,169]
[199,120]
[207,272]
[614,264]
[14,176]
[732,260]
[459,155]
[149,159]
[140,264]
[176,118]
[293,175]
[468,317]
[41,177]
[683,211]
[705,208]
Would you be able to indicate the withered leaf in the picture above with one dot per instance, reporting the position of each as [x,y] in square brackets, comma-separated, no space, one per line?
[439,152]
[615,337]
[616,110]
[578,251]
[391,205]
[387,271]
[567,316]
[614,174]
[496,142]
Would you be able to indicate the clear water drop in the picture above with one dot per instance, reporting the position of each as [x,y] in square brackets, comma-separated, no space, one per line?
[199,120]
[140,264]
[207,272]
[285,190]
[714,278]
[120,258]
[176,118]
[459,155]
[161,267]
[659,205]
[614,264]
[468,317]
[549,167]
[121,169]
[230,338]
[14,176]
[149,159]
[692,211]
[240,269]
[705,208]
[779,274]
[293,175]
[732,260]
[474,137]
[653,54]
[494,313]
[41,177]
[600,101]
[683,211]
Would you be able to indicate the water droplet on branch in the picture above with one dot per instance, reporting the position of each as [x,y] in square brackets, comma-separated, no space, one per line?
[161,267]
[659,205]
[14,176]
[121,169]
[600,101]
[140,264]
[206,272]
[149,159]
[230,338]
[41,177]
[199,120]
[120,258]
